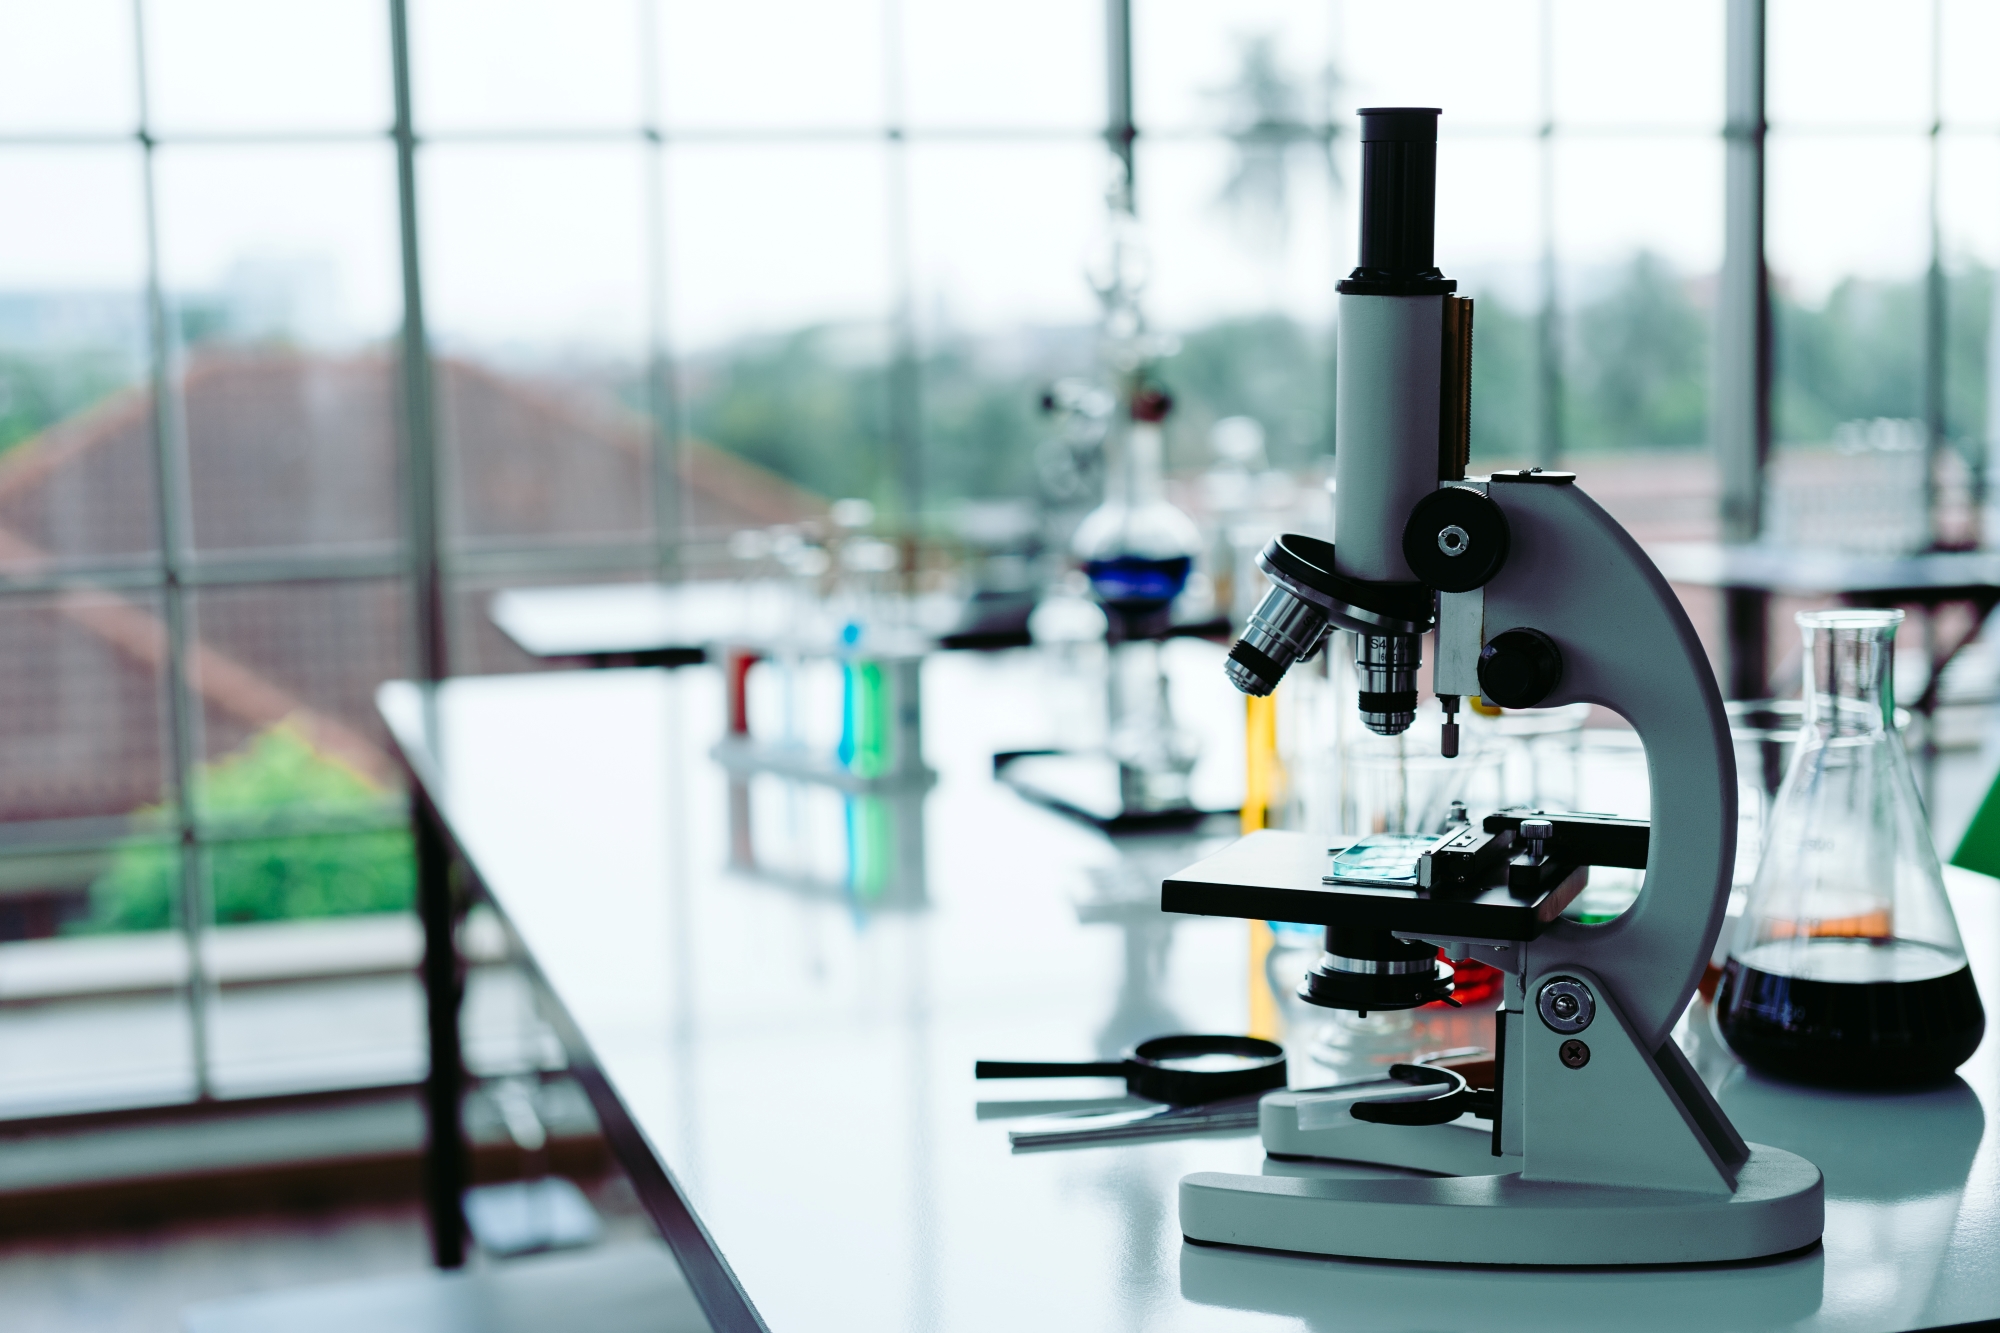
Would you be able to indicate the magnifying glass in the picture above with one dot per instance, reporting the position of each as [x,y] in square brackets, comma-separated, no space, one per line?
[1180,1070]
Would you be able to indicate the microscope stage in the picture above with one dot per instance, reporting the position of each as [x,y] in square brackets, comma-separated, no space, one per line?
[1275,875]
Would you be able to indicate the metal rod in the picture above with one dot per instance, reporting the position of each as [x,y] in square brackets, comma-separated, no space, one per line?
[663,406]
[444,1088]
[170,506]
[1548,342]
[420,471]
[1119,131]
[445,1160]
[1740,421]
[1935,350]
[906,430]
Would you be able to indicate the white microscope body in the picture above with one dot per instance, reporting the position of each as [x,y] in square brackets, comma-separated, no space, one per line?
[1606,1148]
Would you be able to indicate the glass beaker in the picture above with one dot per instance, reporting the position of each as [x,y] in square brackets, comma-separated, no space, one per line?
[1848,968]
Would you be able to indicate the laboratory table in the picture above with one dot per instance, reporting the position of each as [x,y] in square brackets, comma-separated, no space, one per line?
[1926,579]
[787,1074]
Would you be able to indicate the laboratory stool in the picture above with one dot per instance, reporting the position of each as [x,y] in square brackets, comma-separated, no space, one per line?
[618,1288]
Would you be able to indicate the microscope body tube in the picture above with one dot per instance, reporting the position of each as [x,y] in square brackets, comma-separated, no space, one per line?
[1390,362]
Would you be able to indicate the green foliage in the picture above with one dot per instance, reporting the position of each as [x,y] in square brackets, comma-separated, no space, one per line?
[273,780]
[1635,373]
[980,426]
[38,391]
[1503,383]
[1268,367]
[811,406]
[1638,373]
[1859,355]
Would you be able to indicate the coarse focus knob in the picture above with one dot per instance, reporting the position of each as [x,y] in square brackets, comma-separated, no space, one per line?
[1456,539]
[1518,668]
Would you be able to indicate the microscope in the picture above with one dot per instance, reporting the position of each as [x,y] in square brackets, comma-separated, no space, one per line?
[1599,1144]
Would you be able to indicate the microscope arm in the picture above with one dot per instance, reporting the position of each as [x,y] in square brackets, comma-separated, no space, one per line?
[1575,575]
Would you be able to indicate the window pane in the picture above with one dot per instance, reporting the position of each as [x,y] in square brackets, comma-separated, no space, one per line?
[1969,217]
[286,675]
[1199,66]
[1479,61]
[538,281]
[81,705]
[1662,194]
[1969,94]
[1002,232]
[283,270]
[1637,65]
[779,290]
[1489,238]
[725,65]
[250,65]
[1035,63]
[536,64]
[1638,228]
[1848,297]
[1848,62]
[1003,303]
[67,68]
[1243,273]
[76,428]
[768,238]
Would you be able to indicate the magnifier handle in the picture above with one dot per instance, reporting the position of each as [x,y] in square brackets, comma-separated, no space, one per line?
[1047,1069]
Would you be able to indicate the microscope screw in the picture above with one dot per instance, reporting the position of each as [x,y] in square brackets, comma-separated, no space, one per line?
[1566,1006]
[1574,1053]
[1537,832]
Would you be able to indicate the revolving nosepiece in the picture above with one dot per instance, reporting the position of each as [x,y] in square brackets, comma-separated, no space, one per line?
[1284,628]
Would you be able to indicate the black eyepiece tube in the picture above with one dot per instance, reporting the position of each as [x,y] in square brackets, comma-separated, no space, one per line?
[1398,203]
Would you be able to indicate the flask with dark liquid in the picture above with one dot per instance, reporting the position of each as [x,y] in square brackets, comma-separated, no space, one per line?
[1847,969]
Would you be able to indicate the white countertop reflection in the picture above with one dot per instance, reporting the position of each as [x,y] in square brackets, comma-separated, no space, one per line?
[802,1062]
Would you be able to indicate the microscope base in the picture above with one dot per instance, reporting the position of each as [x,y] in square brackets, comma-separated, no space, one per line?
[1501,1219]
[1462,1148]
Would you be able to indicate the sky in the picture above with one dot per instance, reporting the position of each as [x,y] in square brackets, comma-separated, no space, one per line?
[535,231]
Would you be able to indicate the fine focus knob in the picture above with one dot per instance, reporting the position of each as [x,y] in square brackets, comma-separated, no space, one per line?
[1456,539]
[1518,668]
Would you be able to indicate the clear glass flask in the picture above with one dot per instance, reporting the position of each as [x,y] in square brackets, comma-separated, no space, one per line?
[1847,969]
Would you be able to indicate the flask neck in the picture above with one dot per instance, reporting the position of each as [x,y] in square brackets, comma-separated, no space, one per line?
[1850,680]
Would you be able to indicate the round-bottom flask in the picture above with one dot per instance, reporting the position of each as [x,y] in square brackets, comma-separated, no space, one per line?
[1848,969]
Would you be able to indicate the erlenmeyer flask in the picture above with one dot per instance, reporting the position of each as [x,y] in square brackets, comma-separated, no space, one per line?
[1847,968]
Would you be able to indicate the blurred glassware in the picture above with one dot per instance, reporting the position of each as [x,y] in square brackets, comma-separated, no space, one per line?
[1400,784]
[1848,968]
[1539,749]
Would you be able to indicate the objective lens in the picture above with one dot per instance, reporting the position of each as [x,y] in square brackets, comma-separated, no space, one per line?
[1387,667]
[1282,629]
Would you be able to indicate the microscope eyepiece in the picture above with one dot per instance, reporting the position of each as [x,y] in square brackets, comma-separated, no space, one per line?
[1398,204]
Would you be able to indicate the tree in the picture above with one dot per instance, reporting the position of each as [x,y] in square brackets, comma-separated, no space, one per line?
[271,874]
[1638,363]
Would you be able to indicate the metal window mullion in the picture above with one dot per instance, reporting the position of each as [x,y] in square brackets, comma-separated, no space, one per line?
[420,464]
[1935,313]
[170,486]
[663,401]
[905,385]
[1120,133]
[1548,331]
